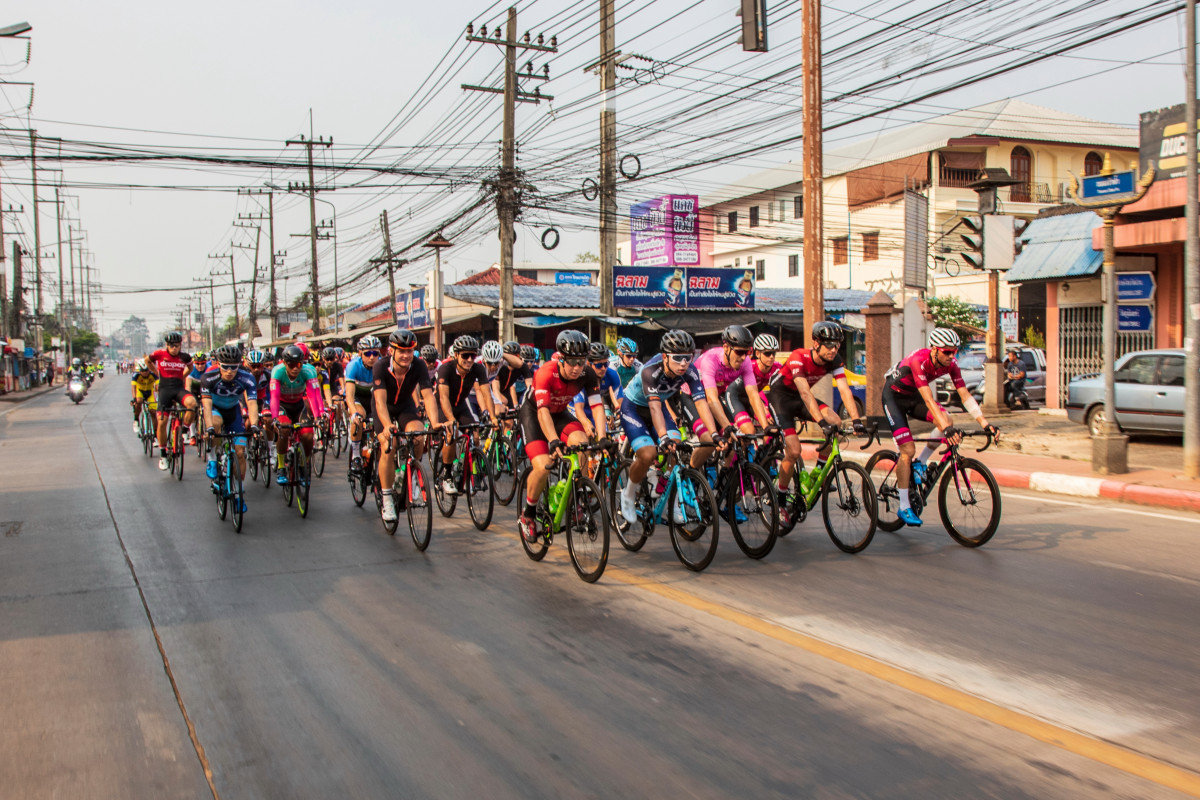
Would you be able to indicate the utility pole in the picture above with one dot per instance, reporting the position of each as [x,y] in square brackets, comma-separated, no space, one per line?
[252,315]
[391,266]
[814,177]
[608,154]
[1191,270]
[237,329]
[312,215]
[37,226]
[18,291]
[62,312]
[509,177]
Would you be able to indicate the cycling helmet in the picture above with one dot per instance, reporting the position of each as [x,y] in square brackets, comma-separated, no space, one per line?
[492,352]
[528,352]
[199,356]
[303,350]
[173,337]
[512,348]
[339,352]
[256,356]
[597,352]
[141,365]
[828,332]
[429,353]
[293,354]
[944,337]
[627,345]
[677,342]
[228,355]
[368,343]
[572,343]
[737,336]
[466,344]
[75,362]
[403,338]
[765,341]
[328,354]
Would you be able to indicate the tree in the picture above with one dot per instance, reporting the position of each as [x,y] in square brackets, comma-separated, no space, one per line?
[586,257]
[951,312]
[85,343]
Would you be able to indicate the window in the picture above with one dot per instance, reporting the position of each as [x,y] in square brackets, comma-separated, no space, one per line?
[794,266]
[1092,163]
[732,221]
[841,250]
[760,270]
[528,273]
[770,211]
[797,207]
[1022,170]
[870,245]
[1172,371]
[737,262]
[753,216]
[1137,370]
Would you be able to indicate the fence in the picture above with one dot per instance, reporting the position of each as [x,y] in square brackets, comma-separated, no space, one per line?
[1081,344]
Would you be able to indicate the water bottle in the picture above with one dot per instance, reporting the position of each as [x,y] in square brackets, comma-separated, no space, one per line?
[557,490]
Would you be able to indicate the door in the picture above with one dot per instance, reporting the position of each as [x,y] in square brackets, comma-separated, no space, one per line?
[1168,395]
[1136,388]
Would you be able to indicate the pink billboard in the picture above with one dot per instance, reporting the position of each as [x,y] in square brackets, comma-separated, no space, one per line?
[666,231]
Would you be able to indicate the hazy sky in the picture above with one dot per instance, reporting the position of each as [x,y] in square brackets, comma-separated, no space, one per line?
[244,76]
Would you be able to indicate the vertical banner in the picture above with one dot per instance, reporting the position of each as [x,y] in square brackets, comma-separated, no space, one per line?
[685,229]
[418,310]
[682,287]
[916,240]
[666,231]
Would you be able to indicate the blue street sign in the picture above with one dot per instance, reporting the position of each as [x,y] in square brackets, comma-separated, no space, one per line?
[1095,186]
[573,278]
[1135,287]
[1135,319]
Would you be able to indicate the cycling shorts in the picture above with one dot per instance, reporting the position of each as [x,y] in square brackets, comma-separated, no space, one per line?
[146,394]
[788,407]
[231,422]
[293,412]
[639,425]
[531,429]
[737,403]
[900,407]
[463,414]
[401,415]
[171,392]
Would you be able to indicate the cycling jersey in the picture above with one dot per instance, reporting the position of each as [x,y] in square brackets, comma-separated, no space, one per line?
[460,385]
[608,381]
[716,374]
[509,377]
[144,381]
[801,364]
[362,377]
[763,378]
[917,370]
[624,373]
[170,368]
[226,394]
[336,375]
[292,392]
[552,391]
[400,388]
[653,382]
[199,368]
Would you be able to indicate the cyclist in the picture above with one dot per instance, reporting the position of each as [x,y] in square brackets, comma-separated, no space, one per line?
[792,399]
[545,422]
[142,385]
[626,362]
[494,359]
[719,367]
[647,424]
[429,354]
[222,392]
[610,389]
[360,382]
[293,383]
[907,393]
[504,385]
[456,377]
[170,364]
[737,400]
[200,365]
[529,359]
[396,380]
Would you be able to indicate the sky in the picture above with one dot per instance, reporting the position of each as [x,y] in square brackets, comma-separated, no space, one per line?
[242,78]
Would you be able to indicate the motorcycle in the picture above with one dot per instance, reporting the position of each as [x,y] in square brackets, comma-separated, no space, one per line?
[1018,399]
[76,390]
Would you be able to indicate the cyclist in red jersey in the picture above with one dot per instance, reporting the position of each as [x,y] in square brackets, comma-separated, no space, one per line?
[907,393]
[171,365]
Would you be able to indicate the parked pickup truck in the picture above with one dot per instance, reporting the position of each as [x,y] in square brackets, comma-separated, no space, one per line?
[970,364]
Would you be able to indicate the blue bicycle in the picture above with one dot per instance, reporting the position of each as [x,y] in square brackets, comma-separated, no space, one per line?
[227,486]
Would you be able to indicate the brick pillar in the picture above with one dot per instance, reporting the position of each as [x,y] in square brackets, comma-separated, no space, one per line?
[879,349]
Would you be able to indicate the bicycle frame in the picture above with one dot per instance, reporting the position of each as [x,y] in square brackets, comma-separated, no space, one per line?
[559,511]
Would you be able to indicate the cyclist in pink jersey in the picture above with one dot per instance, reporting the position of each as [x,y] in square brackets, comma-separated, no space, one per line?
[907,393]
[721,366]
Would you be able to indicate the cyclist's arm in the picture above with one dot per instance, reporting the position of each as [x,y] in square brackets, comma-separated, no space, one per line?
[546,421]
[274,384]
[444,398]
[810,400]
[381,409]
[712,399]
[483,394]
[940,418]
[252,410]
[657,418]
[848,403]
[971,405]
[581,414]
[757,406]
[206,402]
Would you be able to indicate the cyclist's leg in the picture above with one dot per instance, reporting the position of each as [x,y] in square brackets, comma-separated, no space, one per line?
[786,408]
[538,451]
[387,458]
[689,416]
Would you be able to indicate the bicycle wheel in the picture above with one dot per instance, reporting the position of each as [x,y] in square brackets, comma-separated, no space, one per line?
[179,451]
[338,444]
[289,466]
[419,506]
[236,495]
[252,459]
[358,486]
[303,477]
[320,444]
[377,490]
[749,491]
[504,471]
[222,488]
[478,486]
[631,535]
[445,502]
[694,539]
[971,513]
[849,507]
[586,522]
[266,472]
[882,469]
[535,550]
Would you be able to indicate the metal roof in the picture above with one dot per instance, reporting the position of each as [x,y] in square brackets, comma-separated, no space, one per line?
[1058,247]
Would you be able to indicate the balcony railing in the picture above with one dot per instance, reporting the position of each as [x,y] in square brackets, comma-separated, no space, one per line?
[1046,191]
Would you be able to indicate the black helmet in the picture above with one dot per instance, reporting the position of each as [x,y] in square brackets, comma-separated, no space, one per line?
[512,348]
[738,336]
[292,354]
[173,337]
[677,342]
[329,354]
[228,355]
[572,343]
[429,353]
[403,338]
[466,344]
[597,352]
[528,352]
[828,332]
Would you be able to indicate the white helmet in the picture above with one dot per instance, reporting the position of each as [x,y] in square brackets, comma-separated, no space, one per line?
[492,352]
[765,341]
[944,337]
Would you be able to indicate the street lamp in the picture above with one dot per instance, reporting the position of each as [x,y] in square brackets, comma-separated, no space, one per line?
[438,243]
[16,29]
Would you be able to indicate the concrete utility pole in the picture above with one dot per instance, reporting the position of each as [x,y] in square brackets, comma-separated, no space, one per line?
[252,315]
[18,291]
[387,254]
[308,144]
[1191,269]
[608,155]
[37,226]
[62,314]
[814,177]
[436,287]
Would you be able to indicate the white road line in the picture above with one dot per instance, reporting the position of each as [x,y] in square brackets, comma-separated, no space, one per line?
[1153,573]
[1092,506]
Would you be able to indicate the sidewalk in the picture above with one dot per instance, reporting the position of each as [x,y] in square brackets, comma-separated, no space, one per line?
[17,397]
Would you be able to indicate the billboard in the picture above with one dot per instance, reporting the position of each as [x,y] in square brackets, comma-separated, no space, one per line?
[682,287]
[1163,141]
[666,231]
[411,311]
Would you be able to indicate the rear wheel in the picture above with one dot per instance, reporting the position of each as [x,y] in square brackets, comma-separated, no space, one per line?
[289,488]
[969,503]
[695,538]
[445,502]
[179,459]
[222,488]
[304,477]
[586,523]
[477,483]
[882,469]
[504,471]
[320,445]
[419,506]
[631,534]
[536,550]
[236,496]
[754,496]
[849,508]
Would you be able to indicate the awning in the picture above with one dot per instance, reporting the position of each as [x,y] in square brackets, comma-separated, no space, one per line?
[548,321]
[448,321]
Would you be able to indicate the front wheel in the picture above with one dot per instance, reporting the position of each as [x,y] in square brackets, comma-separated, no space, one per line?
[586,522]
[478,486]
[750,495]
[318,455]
[445,502]
[236,495]
[419,505]
[289,488]
[849,507]
[969,503]
[304,478]
[694,535]
[221,491]
[178,444]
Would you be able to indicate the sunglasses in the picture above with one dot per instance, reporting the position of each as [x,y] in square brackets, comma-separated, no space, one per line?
[370,353]
[598,364]
[467,356]
[229,367]
[628,355]
[680,359]
[830,345]
[737,351]
[767,353]
[949,351]
[574,362]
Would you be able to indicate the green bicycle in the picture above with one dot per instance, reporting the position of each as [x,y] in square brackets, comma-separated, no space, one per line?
[574,504]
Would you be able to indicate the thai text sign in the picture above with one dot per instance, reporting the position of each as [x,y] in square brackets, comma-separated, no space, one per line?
[1117,184]
[682,287]
[410,309]
[666,231]
[1135,287]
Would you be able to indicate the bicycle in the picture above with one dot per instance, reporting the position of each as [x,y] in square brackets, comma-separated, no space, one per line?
[501,461]
[359,479]
[339,432]
[296,468]
[747,491]
[411,489]
[257,456]
[227,487]
[685,502]
[320,444]
[146,428]
[471,477]
[975,488]
[574,504]
[840,486]
[175,448]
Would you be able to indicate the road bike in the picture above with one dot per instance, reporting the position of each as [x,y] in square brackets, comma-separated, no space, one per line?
[411,489]
[502,461]
[574,504]
[470,476]
[175,449]
[360,478]
[146,428]
[258,458]
[297,469]
[747,494]
[967,493]
[227,486]
[677,495]
[321,438]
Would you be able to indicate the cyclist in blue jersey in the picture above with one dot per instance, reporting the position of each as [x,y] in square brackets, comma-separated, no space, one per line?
[221,394]
[360,394]
[610,387]
[626,362]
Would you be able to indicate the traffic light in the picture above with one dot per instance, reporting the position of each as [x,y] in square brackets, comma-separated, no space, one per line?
[754,25]
[973,255]
[1019,226]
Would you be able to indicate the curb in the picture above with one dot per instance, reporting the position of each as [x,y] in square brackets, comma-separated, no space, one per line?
[28,395]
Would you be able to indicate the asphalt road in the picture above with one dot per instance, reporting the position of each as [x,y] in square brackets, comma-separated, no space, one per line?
[148,651]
